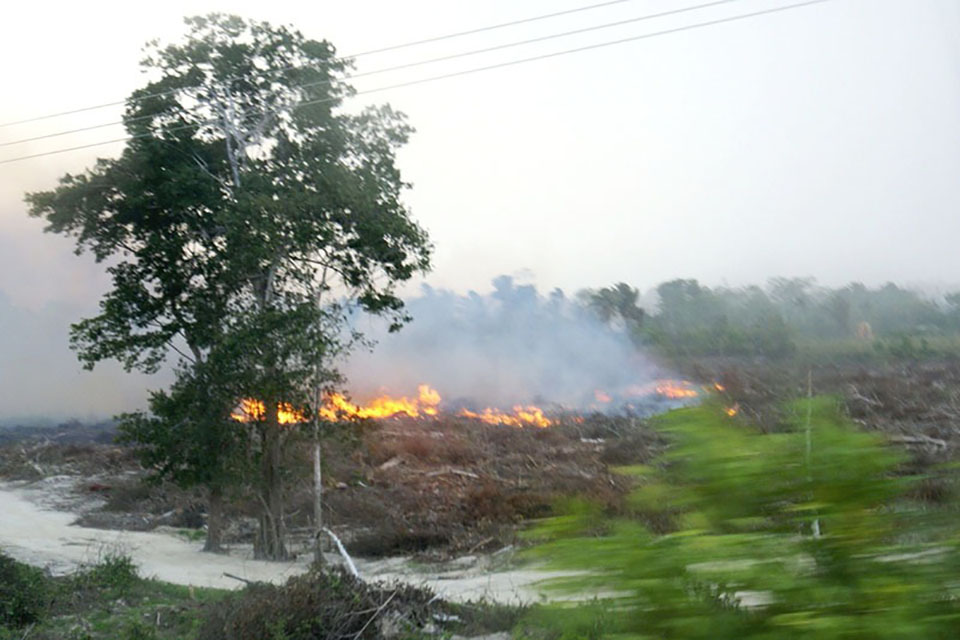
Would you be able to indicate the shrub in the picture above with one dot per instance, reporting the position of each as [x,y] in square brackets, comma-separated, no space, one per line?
[806,533]
[140,631]
[114,573]
[318,604]
[24,593]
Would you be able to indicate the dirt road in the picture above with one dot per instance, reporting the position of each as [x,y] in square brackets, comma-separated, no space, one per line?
[33,531]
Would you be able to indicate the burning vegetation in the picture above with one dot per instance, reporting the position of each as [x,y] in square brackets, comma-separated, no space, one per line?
[521,416]
[252,410]
[425,404]
[428,404]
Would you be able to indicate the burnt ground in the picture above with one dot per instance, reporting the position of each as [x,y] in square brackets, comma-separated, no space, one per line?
[451,486]
[463,486]
[436,487]
[915,405]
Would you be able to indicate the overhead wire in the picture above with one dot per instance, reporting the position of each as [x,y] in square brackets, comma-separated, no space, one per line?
[395,47]
[464,72]
[411,65]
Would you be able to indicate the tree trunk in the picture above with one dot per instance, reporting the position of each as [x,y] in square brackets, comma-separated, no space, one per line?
[214,521]
[270,542]
[317,500]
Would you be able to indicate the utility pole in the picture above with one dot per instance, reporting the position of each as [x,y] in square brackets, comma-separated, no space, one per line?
[317,462]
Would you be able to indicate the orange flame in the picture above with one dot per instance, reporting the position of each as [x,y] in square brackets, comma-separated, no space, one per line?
[336,406]
[601,396]
[732,411]
[254,411]
[521,416]
[675,390]
[426,404]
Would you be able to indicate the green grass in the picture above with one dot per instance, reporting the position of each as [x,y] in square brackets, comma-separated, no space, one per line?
[109,600]
[193,535]
[146,609]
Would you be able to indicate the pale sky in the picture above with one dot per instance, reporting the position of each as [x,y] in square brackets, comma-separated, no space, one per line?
[822,141]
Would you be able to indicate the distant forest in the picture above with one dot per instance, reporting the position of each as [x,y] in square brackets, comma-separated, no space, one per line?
[787,316]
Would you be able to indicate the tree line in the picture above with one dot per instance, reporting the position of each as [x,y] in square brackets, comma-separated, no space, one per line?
[694,319]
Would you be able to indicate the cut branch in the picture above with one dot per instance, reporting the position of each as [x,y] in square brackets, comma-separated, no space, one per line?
[343,552]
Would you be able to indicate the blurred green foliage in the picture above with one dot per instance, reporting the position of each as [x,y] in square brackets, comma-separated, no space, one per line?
[767,536]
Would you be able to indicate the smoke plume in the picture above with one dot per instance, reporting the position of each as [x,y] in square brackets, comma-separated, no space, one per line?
[513,346]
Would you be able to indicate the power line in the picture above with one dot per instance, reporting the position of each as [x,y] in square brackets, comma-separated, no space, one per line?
[583,48]
[411,65]
[467,71]
[395,47]
[464,72]
[77,148]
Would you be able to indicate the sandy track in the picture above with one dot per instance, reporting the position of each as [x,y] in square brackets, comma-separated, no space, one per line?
[32,531]
[44,537]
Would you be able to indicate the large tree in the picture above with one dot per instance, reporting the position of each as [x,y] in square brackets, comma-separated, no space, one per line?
[247,215]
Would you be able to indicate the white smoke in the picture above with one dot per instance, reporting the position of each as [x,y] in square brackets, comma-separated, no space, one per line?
[514,346]
[40,377]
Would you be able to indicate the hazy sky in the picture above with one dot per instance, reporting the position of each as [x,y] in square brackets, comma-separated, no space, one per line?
[820,141]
